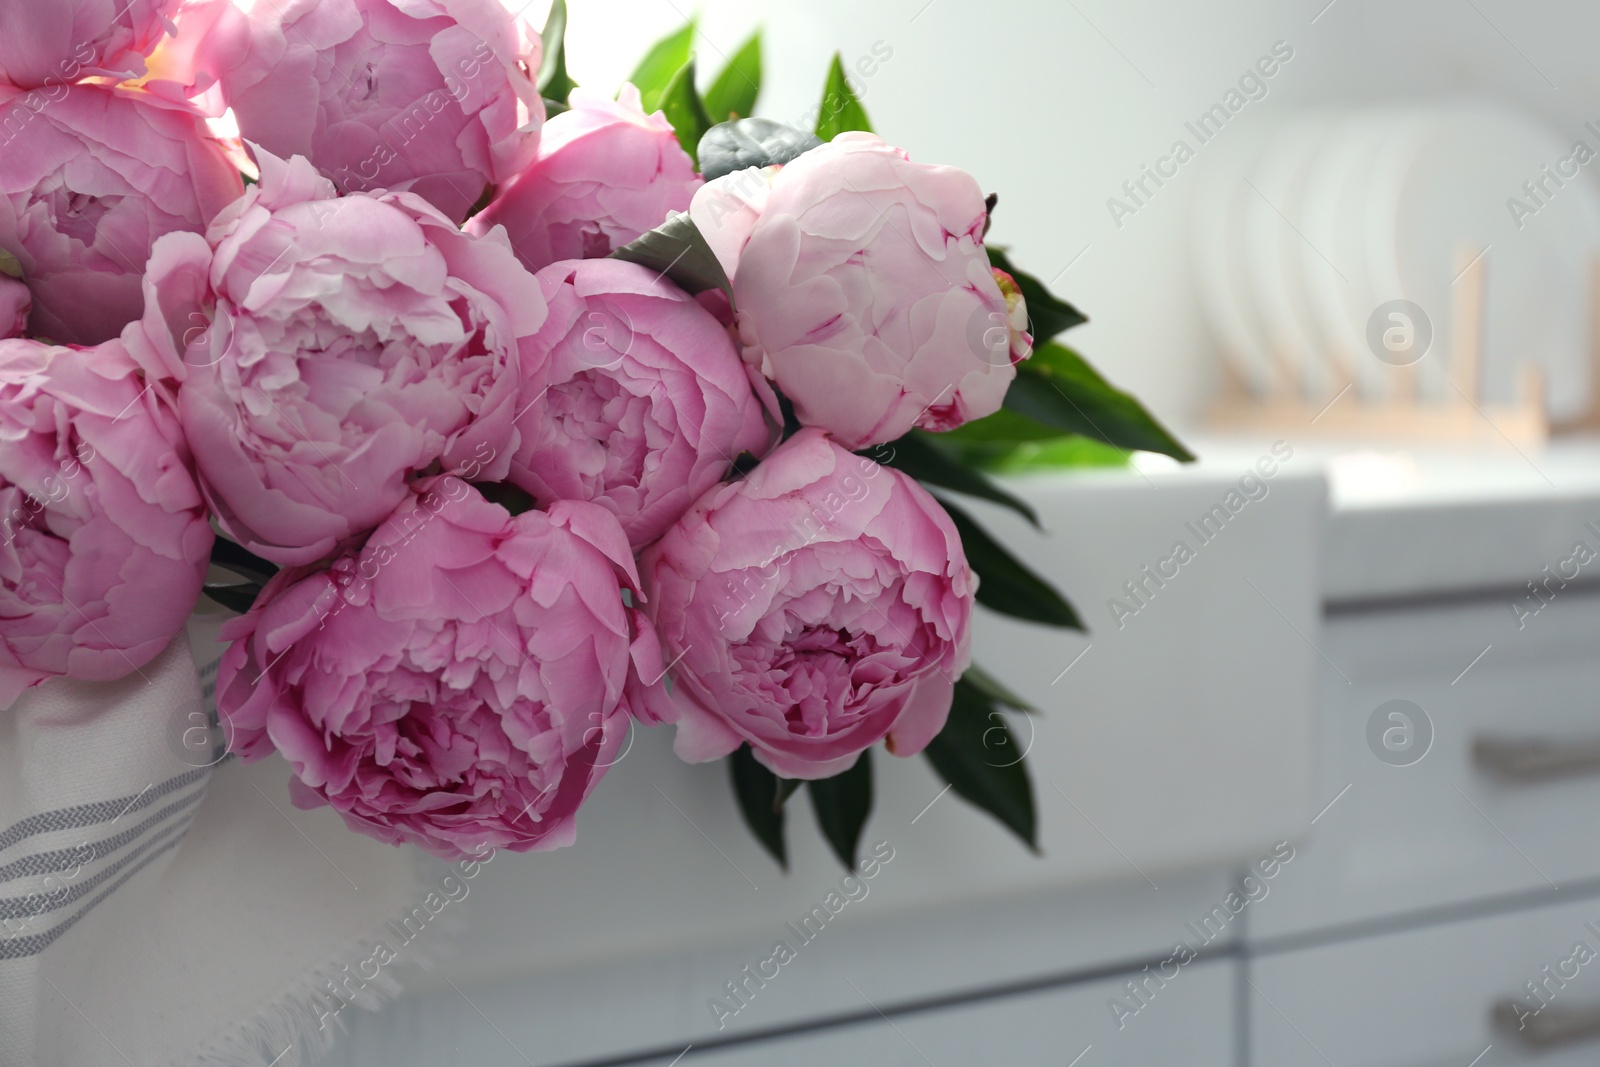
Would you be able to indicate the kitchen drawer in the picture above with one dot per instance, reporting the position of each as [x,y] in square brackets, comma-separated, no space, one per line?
[626,1008]
[1407,835]
[1189,1021]
[1424,997]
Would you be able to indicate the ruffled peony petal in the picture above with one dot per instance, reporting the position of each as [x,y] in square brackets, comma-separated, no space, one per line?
[91,177]
[813,609]
[633,398]
[605,173]
[103,537]
[433,97]
[863,288]
[464,679]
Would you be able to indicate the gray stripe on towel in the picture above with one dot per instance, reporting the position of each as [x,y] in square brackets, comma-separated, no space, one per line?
[58,861]
[28,907]
[18,948]
[75,818]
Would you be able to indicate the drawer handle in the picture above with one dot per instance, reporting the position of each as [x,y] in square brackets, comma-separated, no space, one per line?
[1532,759]
[1555,1024]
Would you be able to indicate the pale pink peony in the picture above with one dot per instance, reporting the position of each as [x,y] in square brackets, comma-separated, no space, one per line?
[816,607]
[637,399]
[103,534]
[330,349]
[433,96]
[606,173]
[90,177]
[863,288]
[464,679]
[55,42]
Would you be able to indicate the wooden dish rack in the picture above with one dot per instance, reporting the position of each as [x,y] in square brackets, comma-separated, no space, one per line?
[1462,417]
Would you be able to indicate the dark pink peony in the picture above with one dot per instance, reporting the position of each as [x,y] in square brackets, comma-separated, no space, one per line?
[464,679]
[90,177]
[432,96]
[331,349]
[103,535]
[635,399]
[813,609]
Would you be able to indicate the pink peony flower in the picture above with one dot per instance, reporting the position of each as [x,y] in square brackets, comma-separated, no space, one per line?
[466,678]
[90,177]
[816,607]
[103,534]
[434,96]
[331,349]
[606,172]
[637,399]
[55,42]
[15,305]
[863,289]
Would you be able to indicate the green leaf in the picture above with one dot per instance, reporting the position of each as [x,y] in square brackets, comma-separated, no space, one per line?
[1004,427]
[239,560]
[1048,315]
[679,250]
[977,755]
[760,796]
[842,804]
[1004,583]
[1064,453]
[513,498]
[992,688]
[554,84]
[240,598]
[734,92]
[841,111]
[1010,443]
[665,58]
[925,459]
[1058,388]
[682,105]
[731,146]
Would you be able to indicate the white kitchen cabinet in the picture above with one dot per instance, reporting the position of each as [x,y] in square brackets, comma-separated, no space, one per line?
[1425,996]
[1189,1021]
[1403,837]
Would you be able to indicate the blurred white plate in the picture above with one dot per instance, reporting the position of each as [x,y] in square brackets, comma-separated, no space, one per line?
[1223,204]
[1340,286]
[1451,188]
[1277,247]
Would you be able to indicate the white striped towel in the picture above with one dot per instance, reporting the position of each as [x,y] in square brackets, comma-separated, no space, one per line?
[161,906]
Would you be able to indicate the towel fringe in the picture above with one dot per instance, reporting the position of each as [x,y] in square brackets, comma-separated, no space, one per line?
[292,1031]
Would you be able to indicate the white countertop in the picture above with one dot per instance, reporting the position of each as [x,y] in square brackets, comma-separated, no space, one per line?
[1407,522]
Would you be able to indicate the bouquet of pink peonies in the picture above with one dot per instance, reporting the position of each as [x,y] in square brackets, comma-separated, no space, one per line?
[508,414]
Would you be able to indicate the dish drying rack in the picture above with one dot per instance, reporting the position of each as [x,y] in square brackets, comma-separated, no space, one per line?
[1461,417]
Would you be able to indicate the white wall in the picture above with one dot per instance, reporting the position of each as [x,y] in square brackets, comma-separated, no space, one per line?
[1053,104]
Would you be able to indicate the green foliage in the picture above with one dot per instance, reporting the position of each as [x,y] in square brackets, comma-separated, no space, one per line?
[734,92]
[1058,388]
[1005,584]
[681,103]
[977,754]
[662,63]
[554,84]
[840,111]
[842,804]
